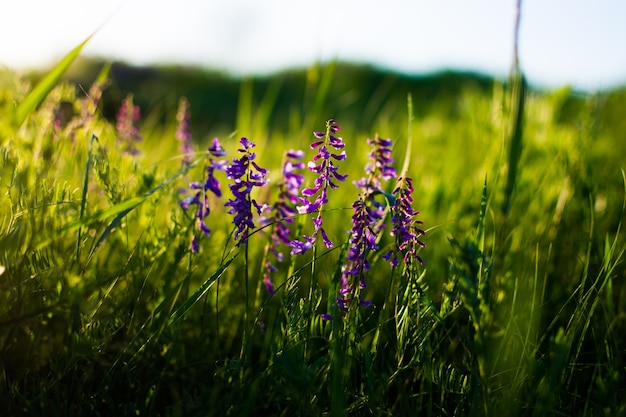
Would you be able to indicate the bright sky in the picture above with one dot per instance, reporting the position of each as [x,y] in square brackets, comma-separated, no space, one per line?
[575,42]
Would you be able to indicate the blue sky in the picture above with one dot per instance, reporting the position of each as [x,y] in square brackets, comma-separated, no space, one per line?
[562,42]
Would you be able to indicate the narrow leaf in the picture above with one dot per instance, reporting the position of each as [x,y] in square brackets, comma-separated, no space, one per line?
[200,292]
[41,90]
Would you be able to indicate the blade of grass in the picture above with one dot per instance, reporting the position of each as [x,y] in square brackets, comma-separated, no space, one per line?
[519,97]
[200,292]
[103,75]
[244,107]
[321,86]
[176,315]
[83,201]
[515,145]
[41,90]
[409,138]
[265,108]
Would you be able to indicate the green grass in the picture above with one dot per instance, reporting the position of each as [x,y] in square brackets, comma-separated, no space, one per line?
[518,309]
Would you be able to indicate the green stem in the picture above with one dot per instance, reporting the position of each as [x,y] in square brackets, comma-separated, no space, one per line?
[310,306]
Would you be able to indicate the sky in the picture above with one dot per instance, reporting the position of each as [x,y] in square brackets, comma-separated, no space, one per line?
[561,42]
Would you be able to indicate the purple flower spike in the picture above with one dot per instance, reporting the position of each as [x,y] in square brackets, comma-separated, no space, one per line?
[367,223]
[183,134]
[362,241]
[211,182]
[282,212]
[246,175]
[405,228]
[200,198]
[127,118]
[380,168]
[326,170]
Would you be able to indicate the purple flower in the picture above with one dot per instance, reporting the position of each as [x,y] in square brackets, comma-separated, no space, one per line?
[216,149]
[211,183]
[183,134]
[367,223]
[127,118]
[404,227]
[200,200]
[327,173]
[282,211]
[381,155]
[362,240]
[200,197]
[380,168]
[245,174]
[302,246]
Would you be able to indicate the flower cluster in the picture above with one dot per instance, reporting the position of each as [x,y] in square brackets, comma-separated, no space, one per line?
[282,212]
[368,218]
[367,222]
[183,134]
[362,241]
[127,118]
[327,172]
[380,168]
[200,198]
[404,227]
[245,174]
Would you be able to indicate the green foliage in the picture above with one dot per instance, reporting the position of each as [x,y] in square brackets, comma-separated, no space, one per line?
[519,309]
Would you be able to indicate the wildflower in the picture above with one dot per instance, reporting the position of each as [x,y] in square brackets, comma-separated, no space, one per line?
[327,173]
[245,174]
[183,134]
[380,167]
[367,222]
[127,118]
[211,183]
[300,247]
[283,211]
[362,241]
[202,211]
[200,198]
[405,229]
[216,149]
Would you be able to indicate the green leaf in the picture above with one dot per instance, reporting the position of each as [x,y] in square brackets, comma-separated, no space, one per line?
[41,90]
[409,144]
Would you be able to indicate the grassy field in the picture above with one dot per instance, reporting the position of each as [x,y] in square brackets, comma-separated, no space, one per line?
[116,298]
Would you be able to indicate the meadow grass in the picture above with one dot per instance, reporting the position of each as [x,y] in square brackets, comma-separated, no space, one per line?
[116,299]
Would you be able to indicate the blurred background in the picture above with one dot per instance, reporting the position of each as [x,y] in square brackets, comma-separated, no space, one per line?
[281,67]
[562,42]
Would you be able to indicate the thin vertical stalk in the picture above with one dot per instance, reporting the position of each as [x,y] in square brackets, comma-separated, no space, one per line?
[310,306]
[409,144]
[516,133]
[83,201]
